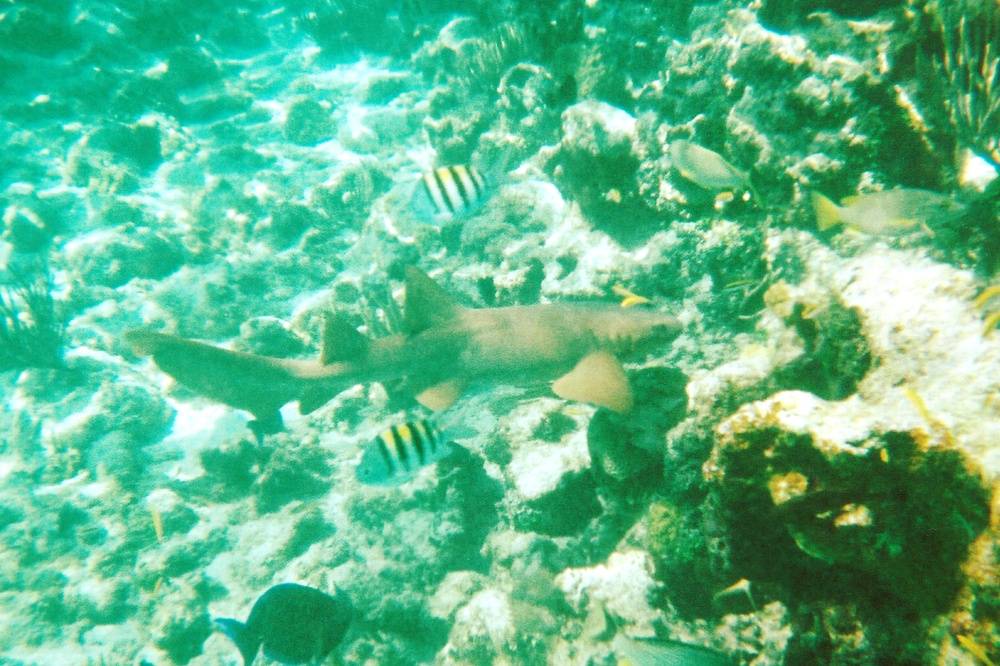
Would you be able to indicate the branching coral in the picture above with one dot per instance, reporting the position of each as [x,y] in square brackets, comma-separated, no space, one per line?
[969,65]
[31,330]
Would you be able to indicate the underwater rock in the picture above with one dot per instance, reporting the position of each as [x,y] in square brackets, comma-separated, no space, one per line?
[291,473]
[454,592]
[308,123]
[43,29]
[783,15]
[188,67]
[103,600]
[112,258]
[180,623]
[213,107]
[347,196]
[286,224]
[623,586]
[269,336]
[230,471]
[138,144]
[834,506]
[171,515]
[626,451]
[26,229]
[835,355]
[596,164]
[555,492]
[483,631]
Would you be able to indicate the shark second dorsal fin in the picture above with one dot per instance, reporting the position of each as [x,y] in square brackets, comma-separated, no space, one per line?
[598,379]
[427,303]
[341,341]
[441,396]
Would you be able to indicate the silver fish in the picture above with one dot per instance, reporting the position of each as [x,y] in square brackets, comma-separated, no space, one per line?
[706,168]
[631,652]
[887,213]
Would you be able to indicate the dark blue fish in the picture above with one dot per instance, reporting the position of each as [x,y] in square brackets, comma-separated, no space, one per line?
[294,624]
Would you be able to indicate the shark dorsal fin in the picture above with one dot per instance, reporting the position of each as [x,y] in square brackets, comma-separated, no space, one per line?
[427,303]
[598,379]
[341,341]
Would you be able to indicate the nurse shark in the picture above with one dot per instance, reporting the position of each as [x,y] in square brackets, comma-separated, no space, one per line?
[444,347]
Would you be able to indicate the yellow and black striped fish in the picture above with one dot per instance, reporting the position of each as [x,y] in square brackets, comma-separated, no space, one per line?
[453,190]
[398,452]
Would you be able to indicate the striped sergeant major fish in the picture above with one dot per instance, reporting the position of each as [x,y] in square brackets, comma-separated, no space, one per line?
[450,191]
[398,452]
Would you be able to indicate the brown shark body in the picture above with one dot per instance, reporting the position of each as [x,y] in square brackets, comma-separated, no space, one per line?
[444,348]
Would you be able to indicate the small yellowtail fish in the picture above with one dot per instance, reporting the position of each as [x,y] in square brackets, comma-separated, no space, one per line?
[708,169]
[628,298]
[976,649]
[398,452]
[450,191]
[888,213]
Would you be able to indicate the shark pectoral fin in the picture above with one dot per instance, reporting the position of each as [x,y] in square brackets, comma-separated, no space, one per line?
[441,396]
[598,379]
[427,303]
[341,341]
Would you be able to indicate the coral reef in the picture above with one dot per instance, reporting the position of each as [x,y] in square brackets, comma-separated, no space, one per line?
[968,64]
[807,474]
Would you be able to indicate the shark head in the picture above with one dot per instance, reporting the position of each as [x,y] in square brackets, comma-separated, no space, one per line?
[633,332]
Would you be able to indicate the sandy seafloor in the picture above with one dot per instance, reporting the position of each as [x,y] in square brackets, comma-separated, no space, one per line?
[822,434]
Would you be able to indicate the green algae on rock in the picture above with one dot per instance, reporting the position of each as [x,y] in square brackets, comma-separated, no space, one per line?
[851,521]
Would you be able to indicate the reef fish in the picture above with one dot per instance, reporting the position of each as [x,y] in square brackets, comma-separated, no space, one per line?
[450,191]
[399,451]
[707,168]
[631,652]
[887,213]
[444,348]
[294,624]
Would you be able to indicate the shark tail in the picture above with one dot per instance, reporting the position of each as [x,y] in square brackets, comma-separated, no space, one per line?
[246,642]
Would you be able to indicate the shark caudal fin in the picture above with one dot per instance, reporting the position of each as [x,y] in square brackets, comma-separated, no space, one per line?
[427,304]
[245,642]
[827,212]
[598,379]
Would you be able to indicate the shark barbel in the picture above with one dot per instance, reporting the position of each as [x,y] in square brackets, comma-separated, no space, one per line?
[444,348]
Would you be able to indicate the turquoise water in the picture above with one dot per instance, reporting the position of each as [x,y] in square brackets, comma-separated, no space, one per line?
[772,441]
